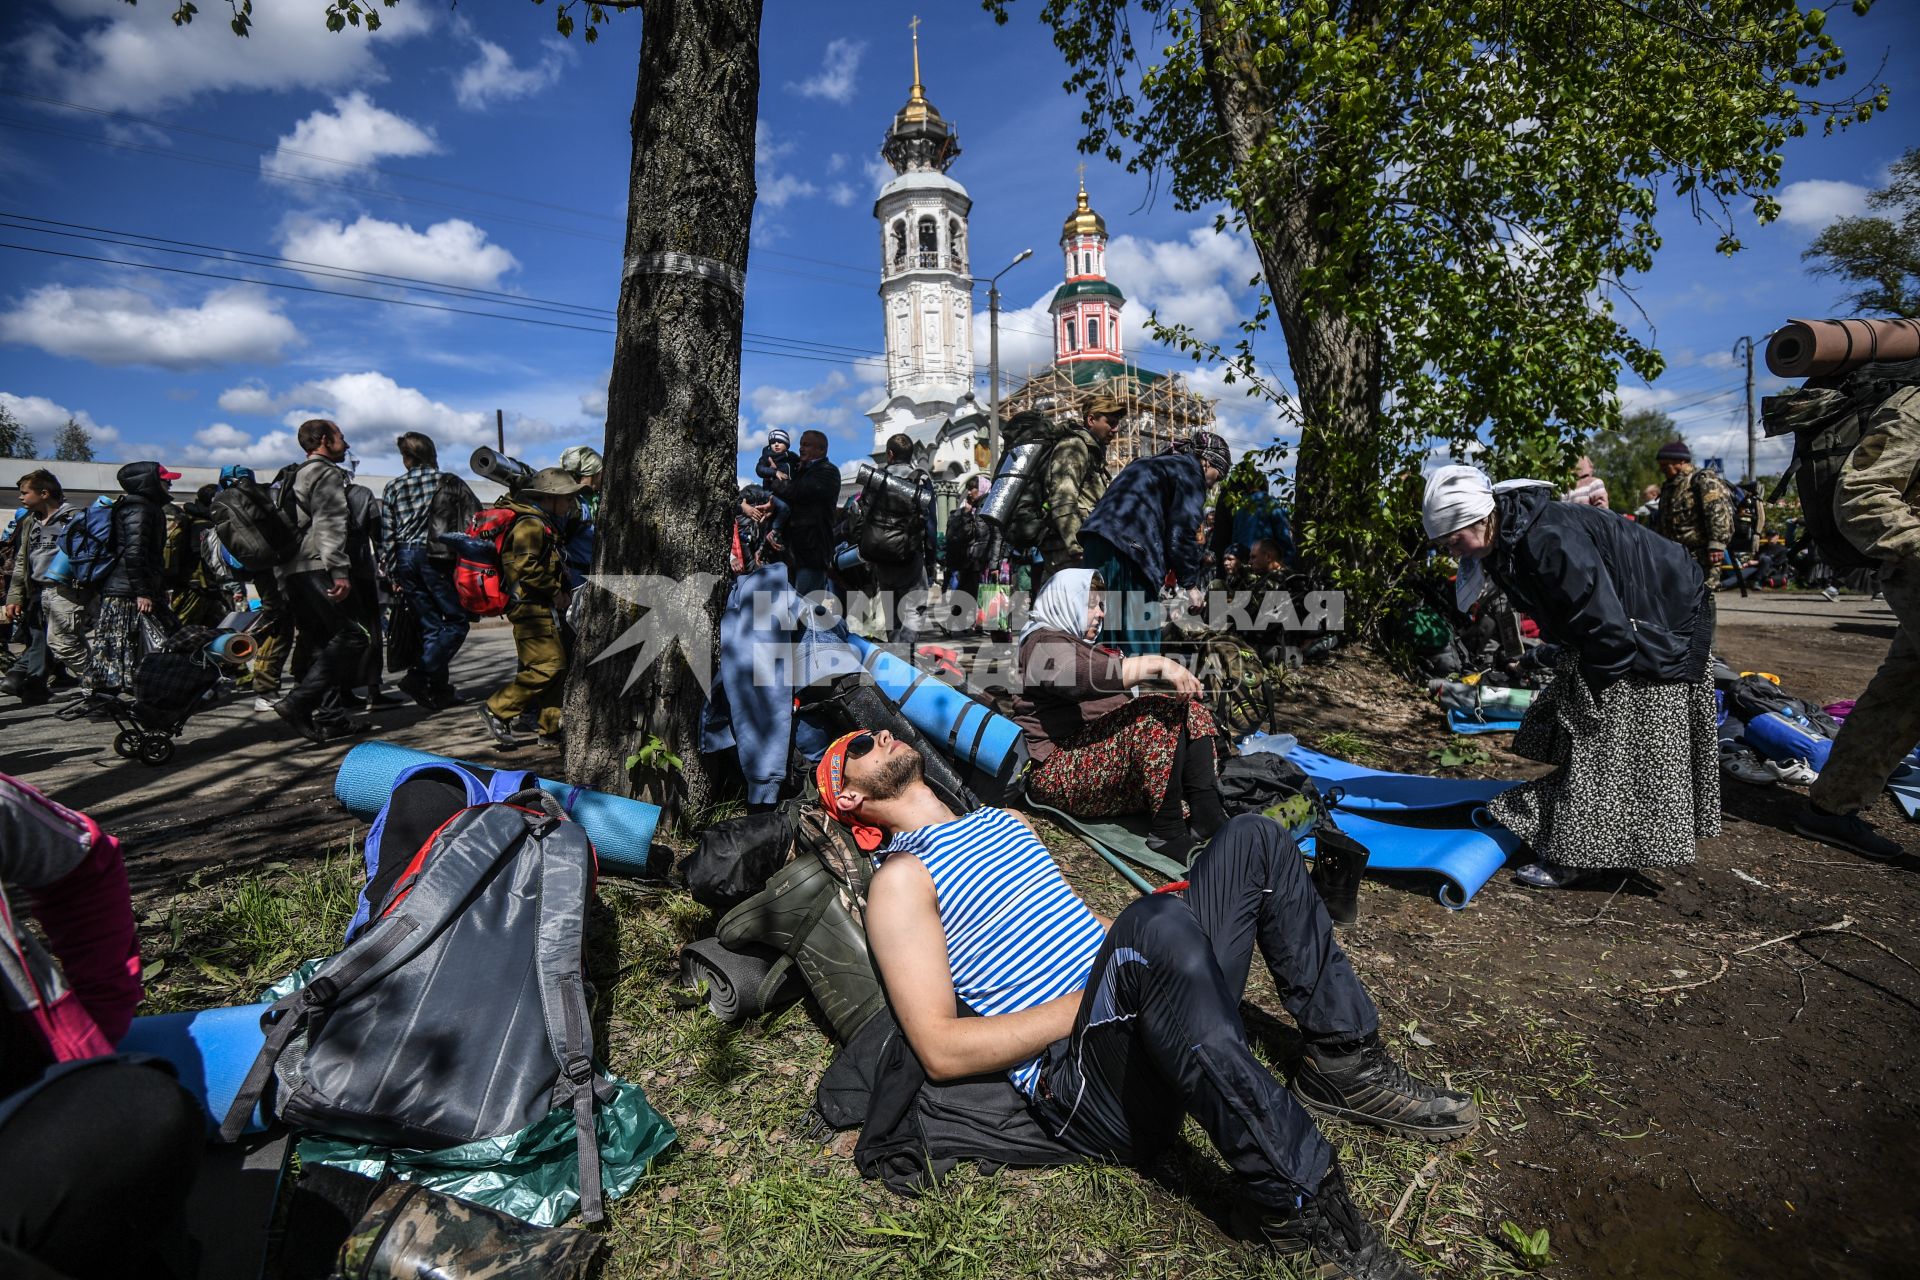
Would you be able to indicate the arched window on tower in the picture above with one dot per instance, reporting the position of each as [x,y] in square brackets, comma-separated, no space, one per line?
[1067,333]
[929,242]
[956,246]
[899,243]
[1093,331]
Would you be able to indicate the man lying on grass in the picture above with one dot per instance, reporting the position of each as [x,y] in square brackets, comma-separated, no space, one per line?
[1115,1030]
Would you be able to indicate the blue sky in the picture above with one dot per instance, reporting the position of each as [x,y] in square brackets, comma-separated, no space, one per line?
[470,147]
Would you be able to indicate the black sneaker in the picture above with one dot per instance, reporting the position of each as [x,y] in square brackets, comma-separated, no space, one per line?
[497,729]
[420,689]
[1369,1087]
[1846,831]
[300,721]
[1328,1227]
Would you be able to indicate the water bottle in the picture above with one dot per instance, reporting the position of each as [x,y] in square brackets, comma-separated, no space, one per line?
[1276,743]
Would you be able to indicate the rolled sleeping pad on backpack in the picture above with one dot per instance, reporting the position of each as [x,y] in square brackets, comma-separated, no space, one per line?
[1778,738]
[848,558]
[210,1050]
[236,647]
[737,981]
[1813,348]
[861,705]
[621,829]
[61,569]
[974,735]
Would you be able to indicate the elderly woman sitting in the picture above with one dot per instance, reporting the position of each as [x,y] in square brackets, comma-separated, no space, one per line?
[1100,750]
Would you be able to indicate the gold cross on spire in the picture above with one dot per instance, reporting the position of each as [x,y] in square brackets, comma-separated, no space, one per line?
[915,27]
[1082,167]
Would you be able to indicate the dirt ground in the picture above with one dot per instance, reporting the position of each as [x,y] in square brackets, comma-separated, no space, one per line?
[1701,1066]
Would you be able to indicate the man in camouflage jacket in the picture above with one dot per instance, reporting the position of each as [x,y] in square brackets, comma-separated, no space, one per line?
[1876,505]
[1695,509]
[1071,481]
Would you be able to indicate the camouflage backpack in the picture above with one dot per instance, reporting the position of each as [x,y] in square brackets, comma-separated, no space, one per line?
[1827,418]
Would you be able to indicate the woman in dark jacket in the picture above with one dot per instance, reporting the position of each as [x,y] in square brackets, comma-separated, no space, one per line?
[1628,718]
[134,589]
[1098,749]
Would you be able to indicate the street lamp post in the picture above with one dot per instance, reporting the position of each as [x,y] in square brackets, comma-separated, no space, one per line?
[1747,343]
[993,360]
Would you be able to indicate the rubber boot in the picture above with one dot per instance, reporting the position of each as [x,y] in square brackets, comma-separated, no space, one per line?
[1339,862]
[802,913]
[412,1231]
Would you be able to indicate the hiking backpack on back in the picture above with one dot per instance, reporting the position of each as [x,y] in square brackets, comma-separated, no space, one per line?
[87,543]
[252,527]
[1827,418]
[1027,523]
[460,1011]
[477,575]
[450,512]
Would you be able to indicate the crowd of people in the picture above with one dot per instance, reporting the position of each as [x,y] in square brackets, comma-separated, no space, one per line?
[341,564]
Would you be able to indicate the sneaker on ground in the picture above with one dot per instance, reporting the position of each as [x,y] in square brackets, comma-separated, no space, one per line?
[1738,762]
[1797,772]
[1369,1087]
[1846,831]
[497,729]
[300,722]
[1328,1226]
[1831,593]
[1551,875]
[265,704]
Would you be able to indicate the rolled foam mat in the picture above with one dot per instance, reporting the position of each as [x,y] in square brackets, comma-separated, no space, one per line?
[1778,738]
[621,829]
[1460,722]
[1464,859]
[972,733]
[1117,844]
[211,1050]
[1366,789]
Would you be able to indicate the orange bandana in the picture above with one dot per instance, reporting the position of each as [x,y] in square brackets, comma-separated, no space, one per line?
[830,776]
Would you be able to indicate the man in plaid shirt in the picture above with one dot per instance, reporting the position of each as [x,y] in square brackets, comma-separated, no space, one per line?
[421,567]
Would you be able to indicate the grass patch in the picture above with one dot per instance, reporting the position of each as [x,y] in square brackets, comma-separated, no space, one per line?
[745,1192]
[1345,744]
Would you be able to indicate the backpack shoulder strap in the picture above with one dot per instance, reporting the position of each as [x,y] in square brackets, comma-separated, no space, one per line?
[566,881]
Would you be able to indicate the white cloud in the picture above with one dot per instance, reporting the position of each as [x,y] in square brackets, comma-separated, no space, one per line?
[1200,281]
[878,172]
[495,77]
[841,194]
[43,418]
[250,398]
[836,162]
[354,132]
[775,188]
[222,444]
[797,408]
[133,58]
[120,326]
[372,405]
[1813,204]
[593,404]
[838,66]
[451,252]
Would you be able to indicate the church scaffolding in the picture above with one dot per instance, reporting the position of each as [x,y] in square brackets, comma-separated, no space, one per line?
[1160,408]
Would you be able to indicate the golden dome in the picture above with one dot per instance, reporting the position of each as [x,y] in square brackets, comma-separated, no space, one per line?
[1083,221]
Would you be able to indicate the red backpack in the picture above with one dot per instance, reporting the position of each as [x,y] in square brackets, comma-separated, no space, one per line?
[477,576]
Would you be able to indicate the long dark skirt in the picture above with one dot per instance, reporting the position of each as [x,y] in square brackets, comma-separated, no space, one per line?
[1637,777]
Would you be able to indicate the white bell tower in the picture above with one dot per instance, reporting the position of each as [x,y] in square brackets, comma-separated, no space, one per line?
[926,288]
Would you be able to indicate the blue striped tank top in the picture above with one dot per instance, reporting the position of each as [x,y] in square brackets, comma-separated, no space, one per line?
[1017,935]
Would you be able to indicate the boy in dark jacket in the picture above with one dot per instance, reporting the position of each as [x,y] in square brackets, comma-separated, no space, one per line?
[776,464]
[531,567]
[133,588]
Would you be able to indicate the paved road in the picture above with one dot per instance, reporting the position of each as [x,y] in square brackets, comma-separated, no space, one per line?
[241,787]
[1802,609]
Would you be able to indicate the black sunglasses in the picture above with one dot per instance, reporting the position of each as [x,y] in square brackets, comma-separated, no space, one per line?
[860,744]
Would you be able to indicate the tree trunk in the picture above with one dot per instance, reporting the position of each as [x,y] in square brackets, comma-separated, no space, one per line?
[1336,359]
[674,398]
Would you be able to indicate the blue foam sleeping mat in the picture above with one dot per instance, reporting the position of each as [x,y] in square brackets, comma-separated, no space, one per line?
[1365,789]
[1494,722]
[211,1050]
[621,829]
[1464,858]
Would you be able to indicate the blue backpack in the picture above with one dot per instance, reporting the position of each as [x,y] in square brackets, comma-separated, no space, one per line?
[87,543]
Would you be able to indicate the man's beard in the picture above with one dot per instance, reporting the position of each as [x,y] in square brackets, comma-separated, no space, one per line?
[898,772]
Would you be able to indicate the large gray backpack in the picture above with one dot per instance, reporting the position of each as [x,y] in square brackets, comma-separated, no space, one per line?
[459,1012]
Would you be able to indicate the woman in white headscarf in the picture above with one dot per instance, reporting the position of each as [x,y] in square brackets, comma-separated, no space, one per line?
[1100,750]
[1628,718]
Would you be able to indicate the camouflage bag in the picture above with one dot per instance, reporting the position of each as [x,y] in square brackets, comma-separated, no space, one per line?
[409,1232]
